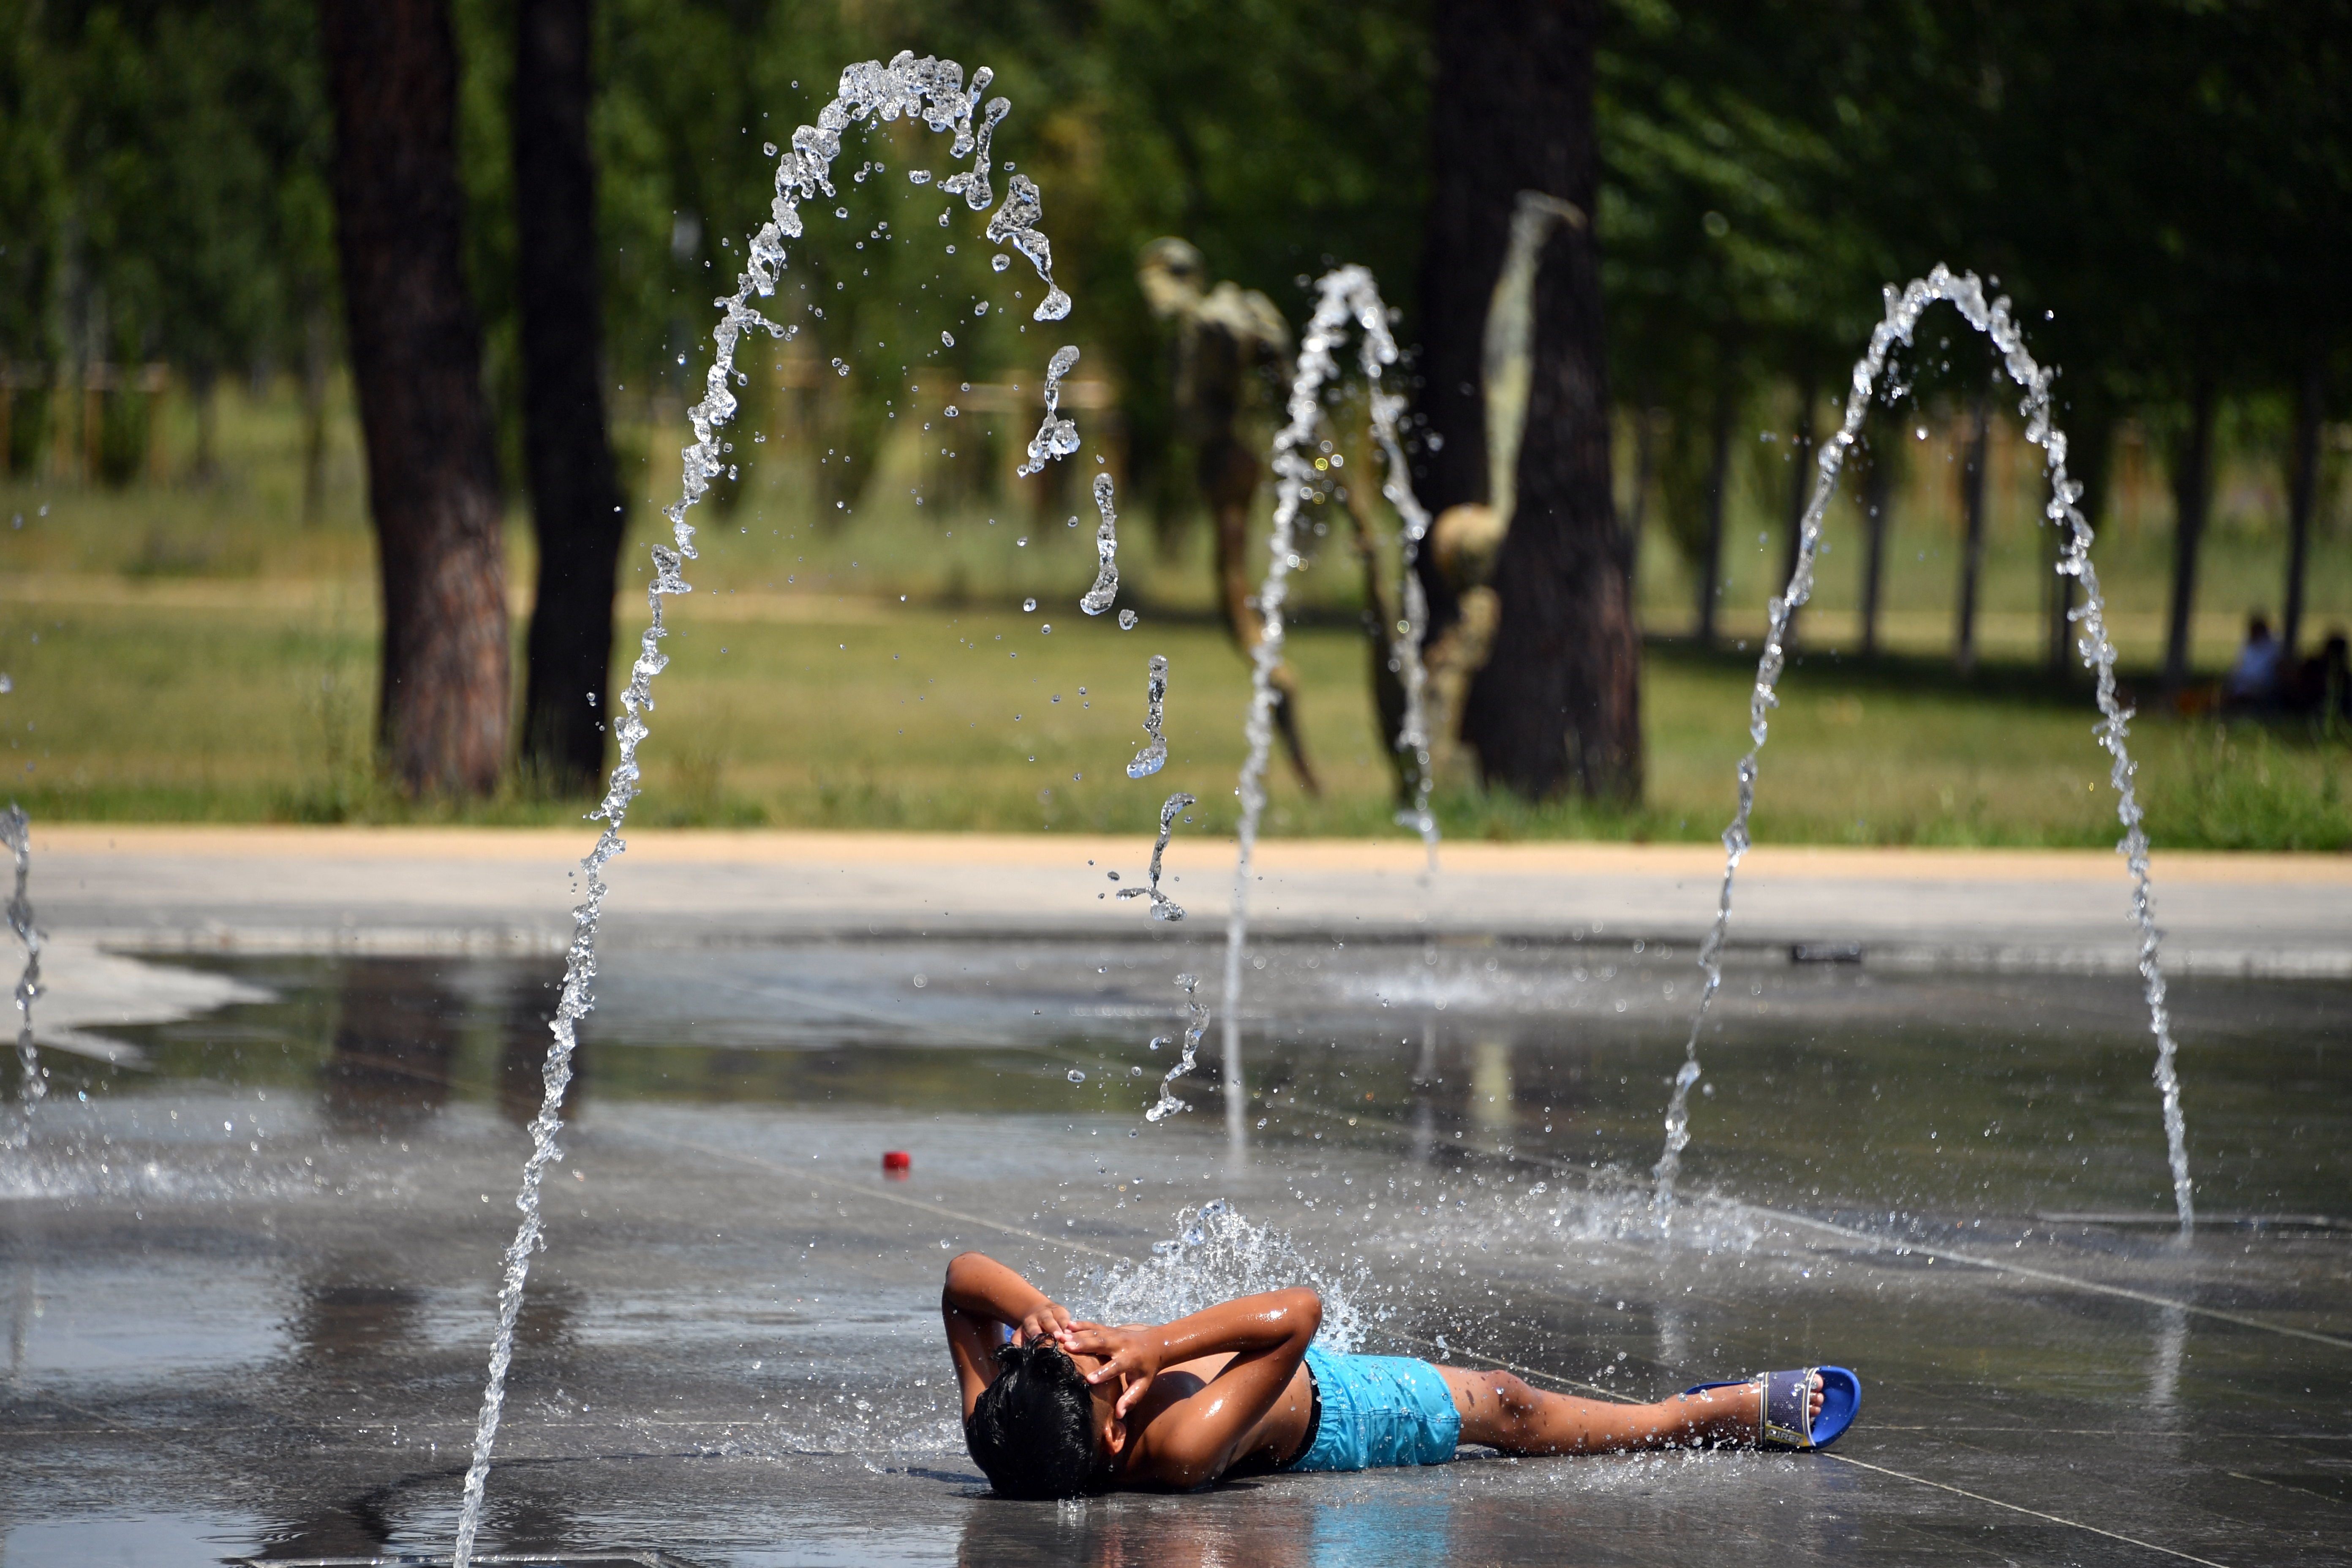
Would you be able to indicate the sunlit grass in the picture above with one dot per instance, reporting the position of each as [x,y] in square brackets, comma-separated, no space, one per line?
[200,652]
[942,718]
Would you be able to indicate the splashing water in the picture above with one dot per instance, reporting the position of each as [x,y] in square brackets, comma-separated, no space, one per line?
[16,833]
[1903,311]
[1154,755]
[1215,1255]
[1099,597]
[1343,295]
[1015,223]
[934,91]
[1057,437]
[1163,908]
[1404,644]
[1198,1014]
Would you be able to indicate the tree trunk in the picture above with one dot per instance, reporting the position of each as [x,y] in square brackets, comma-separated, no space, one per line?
[416,356]
[1719,481]
[1645,476]
[315,368]
[1878,497]
[1972,519]
[2303,495]
[203,382]
[1802,477]
[1464,234]
[575,499]
[2088,457]
[2191,492]
[1558,706]
[2058,635]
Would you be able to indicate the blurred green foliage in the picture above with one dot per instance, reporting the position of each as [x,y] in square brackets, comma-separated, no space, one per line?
[162,182]
[2162,183]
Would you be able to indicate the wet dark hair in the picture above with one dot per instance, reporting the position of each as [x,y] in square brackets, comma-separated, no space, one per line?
[1032,1431]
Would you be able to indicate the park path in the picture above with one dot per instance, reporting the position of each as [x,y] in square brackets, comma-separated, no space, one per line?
[427,891]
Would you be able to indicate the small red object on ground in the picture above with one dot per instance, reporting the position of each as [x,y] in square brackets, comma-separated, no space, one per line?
[897,1162]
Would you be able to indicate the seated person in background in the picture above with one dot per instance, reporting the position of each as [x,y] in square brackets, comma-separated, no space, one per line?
[1055,1407]
[2253,680]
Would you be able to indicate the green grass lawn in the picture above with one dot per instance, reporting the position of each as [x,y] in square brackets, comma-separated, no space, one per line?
[198,652]
[940,716]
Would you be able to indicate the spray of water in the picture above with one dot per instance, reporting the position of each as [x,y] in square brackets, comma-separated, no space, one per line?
[1344,295]
[1215,1255]
[16,833]
[1903,307]
[934,91]
[1057,437]
[1015,223]
[1405,636]
[1197,1024]
[1163,908]
[1099,597]
[1154,755]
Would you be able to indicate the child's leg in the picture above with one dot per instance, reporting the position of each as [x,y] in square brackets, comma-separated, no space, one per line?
[1501,1412]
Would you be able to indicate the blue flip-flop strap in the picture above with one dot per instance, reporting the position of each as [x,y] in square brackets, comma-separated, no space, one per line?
[1787,1408]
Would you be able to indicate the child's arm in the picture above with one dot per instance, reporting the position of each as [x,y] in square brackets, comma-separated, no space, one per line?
[980,1300]
[1193,1441]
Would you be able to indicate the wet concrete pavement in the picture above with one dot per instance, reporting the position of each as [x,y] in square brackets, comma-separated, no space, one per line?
[248,1286]
[488,890]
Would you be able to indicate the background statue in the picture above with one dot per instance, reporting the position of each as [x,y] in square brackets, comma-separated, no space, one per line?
[1466,540]
[1224,335]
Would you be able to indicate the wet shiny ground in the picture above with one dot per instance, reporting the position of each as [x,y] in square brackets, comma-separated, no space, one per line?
[247,1282]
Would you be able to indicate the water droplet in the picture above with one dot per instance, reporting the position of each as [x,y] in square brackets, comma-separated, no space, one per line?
[1077,1077]
[1126,619]
[1047,629]
[841,212]
[1029,605]
[981,308]
[948,338]
[769,148]
[951,411]
[1001,261]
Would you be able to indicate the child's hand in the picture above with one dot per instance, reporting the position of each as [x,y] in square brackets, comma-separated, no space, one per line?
[1130,1355]
[1045,1321]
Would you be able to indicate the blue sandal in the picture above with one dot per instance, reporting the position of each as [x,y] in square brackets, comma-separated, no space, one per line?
[1785,1399]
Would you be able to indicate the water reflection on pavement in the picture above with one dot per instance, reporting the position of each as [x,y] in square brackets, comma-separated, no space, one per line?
[247,1287]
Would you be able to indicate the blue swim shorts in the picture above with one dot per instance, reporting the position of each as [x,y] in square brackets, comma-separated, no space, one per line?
[1378,1411]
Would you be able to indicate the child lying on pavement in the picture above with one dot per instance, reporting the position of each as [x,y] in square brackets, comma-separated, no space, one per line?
[1055,1407]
